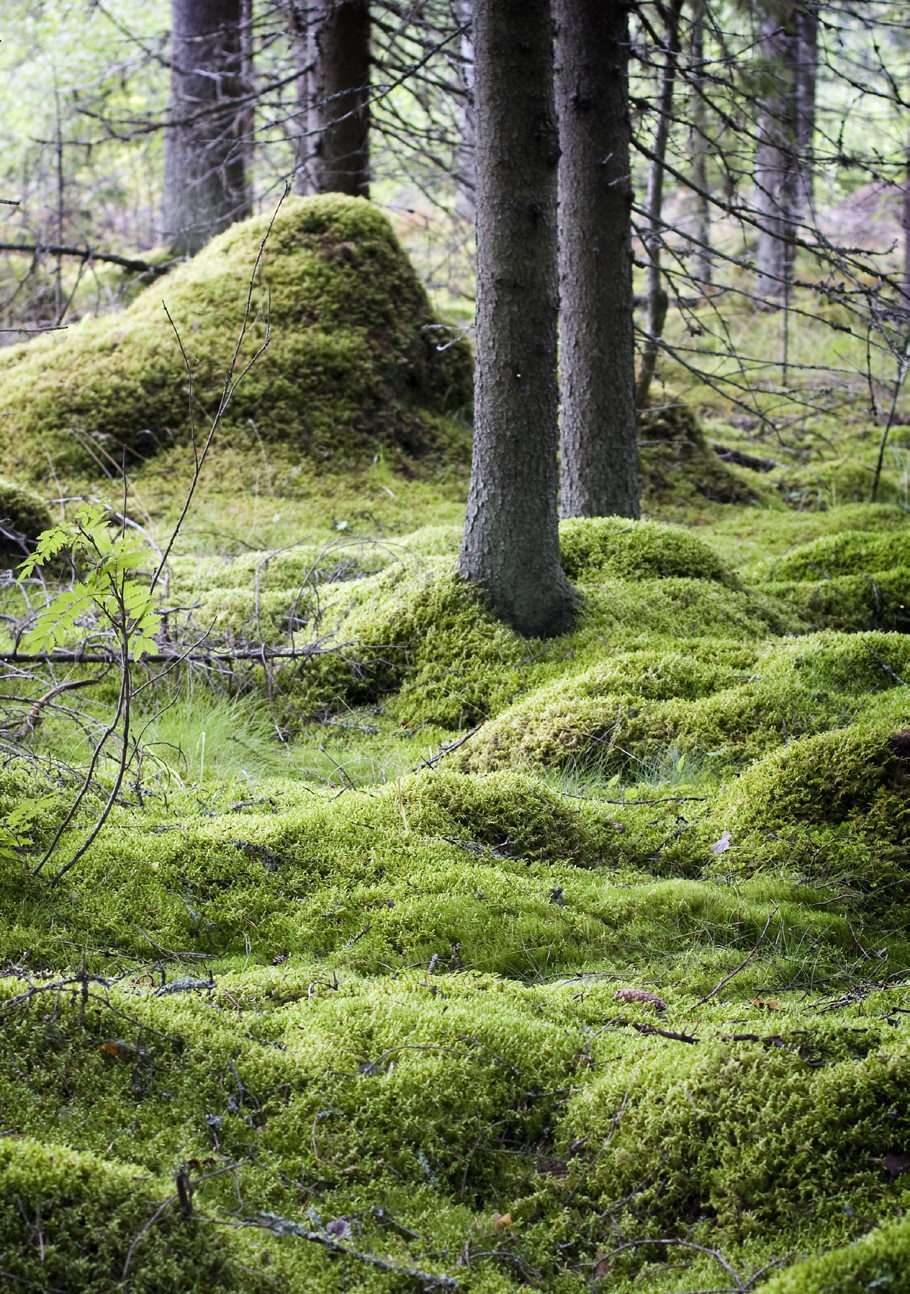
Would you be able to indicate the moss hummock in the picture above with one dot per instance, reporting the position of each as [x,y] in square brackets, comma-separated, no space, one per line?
[353,362]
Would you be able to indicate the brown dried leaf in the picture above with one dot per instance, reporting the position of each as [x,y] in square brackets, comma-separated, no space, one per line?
[501,1220]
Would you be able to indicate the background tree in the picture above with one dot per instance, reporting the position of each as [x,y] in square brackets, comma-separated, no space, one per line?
[599,449]
[338,92]
[785,126]
[511,538]
[655,294]
[205,183]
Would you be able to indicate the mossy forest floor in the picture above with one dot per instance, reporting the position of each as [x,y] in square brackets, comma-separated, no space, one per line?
[444,959]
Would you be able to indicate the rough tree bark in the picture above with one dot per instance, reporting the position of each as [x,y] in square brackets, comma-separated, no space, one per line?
[511,537]
[205,187]
[599,448]
[338,117]
[785,126]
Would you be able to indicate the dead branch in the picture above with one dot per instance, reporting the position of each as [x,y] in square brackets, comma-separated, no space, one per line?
[261,652]
[284,1227]
[89,254]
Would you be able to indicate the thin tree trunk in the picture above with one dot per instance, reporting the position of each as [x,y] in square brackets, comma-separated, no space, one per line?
[511,537]
[905,210]
[786,126]
[599,447]
[465,179]
[205,186]
[806,78]
[298,22]
[655,291]
[338,33]
[703,262]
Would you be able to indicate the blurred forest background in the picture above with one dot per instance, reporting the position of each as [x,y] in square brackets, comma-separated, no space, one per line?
[786,277]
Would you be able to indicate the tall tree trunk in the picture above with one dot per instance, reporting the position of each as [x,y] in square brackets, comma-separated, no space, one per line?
[806,78]
[655,291]
[205,186]
[703,267]
[905,213]
[298,22]
[465,179]
[786,125]
[338,36]
[511,536]
[599,447]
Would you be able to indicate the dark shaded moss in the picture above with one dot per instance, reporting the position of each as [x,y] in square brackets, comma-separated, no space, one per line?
[23,516]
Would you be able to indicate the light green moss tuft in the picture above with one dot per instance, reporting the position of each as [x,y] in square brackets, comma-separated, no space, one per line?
[599,547]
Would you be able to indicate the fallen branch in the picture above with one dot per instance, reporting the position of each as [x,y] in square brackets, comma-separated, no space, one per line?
[260,653]
[284,1227]
[685,1244]
[447,749]
[88,254]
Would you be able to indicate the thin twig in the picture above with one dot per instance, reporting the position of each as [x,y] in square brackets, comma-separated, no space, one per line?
[284,1227]
[742,965]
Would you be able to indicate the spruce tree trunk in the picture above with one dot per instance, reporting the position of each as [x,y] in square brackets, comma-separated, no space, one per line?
[599,447]
[465,179]
[656,293]
[338,39]
[298,20]
[703,265]
[511,537]
[785,125]
[205,187]
[905,221]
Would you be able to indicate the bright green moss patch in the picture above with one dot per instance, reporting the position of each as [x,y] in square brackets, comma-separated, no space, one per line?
[878,1260]
[593,549]
[485,963]
[350,367]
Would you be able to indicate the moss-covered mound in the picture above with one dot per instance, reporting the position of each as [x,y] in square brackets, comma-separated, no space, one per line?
[594,548]
[679,470]
[23,516]
[352,363]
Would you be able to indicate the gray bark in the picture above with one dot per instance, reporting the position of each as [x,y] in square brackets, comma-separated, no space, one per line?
[786,125]
[599,447]
[465,179]
[655,292]
[205,186]
[338,119]
[703,265]
[511,536]
[905,221]
[301,180]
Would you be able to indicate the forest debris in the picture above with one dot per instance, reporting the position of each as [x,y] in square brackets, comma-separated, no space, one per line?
[639,995]
[186,984]
[285,1227]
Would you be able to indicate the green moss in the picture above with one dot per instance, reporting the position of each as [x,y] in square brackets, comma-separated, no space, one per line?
[878,1260]
[23,516]
[350,366]
[599,547]
[851,552]
[680,472]
[746,1135]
